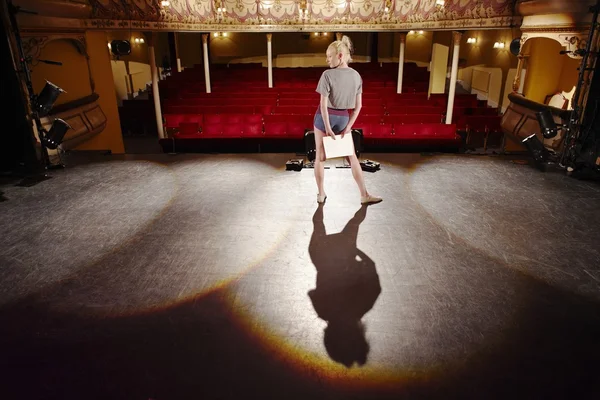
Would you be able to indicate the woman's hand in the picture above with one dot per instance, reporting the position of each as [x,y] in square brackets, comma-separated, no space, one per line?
[330,132]
[347,130]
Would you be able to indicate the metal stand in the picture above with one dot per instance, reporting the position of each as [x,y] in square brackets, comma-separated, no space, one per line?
[568,155]
[12,11]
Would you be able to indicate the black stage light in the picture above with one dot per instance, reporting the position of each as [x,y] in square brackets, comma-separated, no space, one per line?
[120,47]
[537,150]
[515,46]
[45,100]
[547,124]
[53,138]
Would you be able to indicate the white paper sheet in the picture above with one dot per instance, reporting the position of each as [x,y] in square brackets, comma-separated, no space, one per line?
[338,147]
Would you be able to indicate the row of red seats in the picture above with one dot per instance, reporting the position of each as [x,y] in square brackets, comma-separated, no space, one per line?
[303,104]
[174,120]
[429,133]
[311,110]
[188,109]
[221,101]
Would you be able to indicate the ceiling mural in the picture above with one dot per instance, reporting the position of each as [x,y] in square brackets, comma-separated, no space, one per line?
[297,15]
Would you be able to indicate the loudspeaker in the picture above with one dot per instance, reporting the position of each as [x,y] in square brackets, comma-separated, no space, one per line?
[120,47]
[515,46]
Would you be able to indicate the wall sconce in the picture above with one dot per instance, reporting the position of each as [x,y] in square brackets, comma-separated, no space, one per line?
[421,32]
[165,3]
[472,40]
[138,40]
[499,45]
[220,34]
[439,3]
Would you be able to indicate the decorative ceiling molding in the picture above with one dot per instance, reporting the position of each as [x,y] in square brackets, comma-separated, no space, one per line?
[290,15]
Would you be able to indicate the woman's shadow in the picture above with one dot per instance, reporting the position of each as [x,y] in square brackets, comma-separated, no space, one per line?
[347,288]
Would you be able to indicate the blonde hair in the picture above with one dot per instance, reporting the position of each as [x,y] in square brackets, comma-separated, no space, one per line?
[344,47]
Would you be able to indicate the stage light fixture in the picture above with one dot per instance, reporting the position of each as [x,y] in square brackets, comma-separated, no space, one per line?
[537,150]
[515,46]
[547,124]
[54,137]
[120,47]
[45,100]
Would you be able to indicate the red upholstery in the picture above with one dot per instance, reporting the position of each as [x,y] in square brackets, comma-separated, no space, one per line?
[212,131]
[413,119]
[400,110]
[427,133]
[275,129]
[233,130]
[188,129]
[253,130]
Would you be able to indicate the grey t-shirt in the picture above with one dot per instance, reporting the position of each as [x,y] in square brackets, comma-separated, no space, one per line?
[340,86]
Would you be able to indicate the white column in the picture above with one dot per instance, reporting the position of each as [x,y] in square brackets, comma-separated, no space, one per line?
[453,75]
[270,59]
[401,61]
[177,52]
[155,92]
[206,61]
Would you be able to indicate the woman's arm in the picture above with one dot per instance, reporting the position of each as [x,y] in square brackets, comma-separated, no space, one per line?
[354,115]
[325,115]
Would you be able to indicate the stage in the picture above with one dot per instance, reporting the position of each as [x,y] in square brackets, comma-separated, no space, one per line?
[218,277]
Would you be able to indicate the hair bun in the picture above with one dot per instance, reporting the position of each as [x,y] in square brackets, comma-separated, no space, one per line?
[346,40]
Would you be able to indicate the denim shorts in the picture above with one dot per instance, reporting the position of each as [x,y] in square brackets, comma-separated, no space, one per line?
[337,118]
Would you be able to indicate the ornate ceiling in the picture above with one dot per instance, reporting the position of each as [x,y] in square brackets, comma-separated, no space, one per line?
[286,15]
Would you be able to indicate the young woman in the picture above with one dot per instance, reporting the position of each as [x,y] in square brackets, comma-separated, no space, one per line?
[340,88]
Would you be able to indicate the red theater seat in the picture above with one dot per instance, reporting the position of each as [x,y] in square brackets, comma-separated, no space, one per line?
[275,129]
[233,130]
[212,131]
[188,129]
[427,134]
[253,130]
[413,119]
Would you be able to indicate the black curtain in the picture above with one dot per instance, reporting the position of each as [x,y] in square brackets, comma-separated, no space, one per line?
[17,148]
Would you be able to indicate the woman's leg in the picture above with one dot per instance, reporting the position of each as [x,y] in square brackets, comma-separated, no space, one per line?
[357,173]
[319,166]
